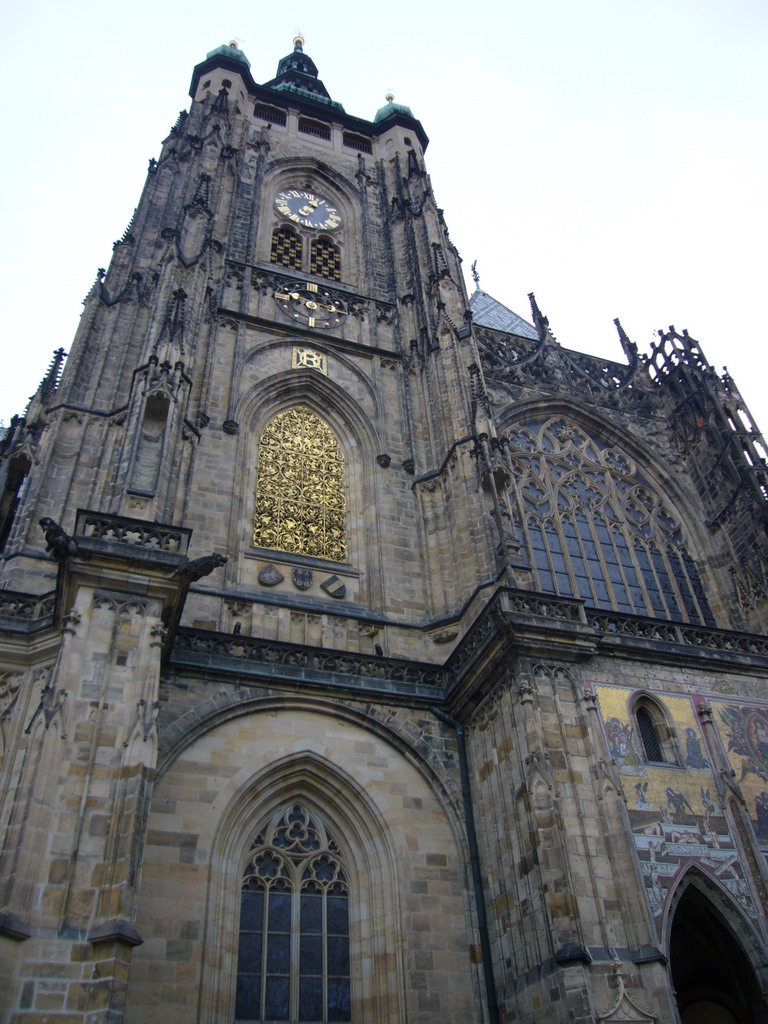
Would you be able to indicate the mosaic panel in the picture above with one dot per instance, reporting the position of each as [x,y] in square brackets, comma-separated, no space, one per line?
[675,817]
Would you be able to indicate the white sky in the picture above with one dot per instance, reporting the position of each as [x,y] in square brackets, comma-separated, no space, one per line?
[608,155]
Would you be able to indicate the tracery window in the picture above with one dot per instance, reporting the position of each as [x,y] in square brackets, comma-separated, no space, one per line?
[325,259]
[300,500]
[596,529]
[286,248]
[293,957]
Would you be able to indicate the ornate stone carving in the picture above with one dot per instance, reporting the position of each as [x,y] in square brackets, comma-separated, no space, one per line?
[624,1010]
[57,542]
[194,570]
[51,702]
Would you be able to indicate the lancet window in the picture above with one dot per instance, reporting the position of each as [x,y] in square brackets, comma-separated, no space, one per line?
[300,495]
[293,956]
[286,248]
[596,529]
[325,259]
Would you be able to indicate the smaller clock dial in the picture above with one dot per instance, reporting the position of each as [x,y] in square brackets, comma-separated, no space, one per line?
[307,304]
[307,209]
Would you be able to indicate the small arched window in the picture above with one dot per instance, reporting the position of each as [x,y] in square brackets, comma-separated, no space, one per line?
[293,957]
[300,498]
[325,259]
[286,248]
[656,734]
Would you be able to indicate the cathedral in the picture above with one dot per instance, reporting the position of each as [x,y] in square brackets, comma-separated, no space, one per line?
[368,655]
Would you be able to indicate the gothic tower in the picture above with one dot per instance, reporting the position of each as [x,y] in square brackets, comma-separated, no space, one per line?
[367,655]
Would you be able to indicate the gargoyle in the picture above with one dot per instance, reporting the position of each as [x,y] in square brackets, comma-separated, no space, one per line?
[59,543]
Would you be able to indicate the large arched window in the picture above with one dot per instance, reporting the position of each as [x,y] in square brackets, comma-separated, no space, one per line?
[596,529]
[300,501]
[293,958]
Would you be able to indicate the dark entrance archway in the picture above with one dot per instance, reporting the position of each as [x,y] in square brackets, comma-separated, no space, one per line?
[711,973]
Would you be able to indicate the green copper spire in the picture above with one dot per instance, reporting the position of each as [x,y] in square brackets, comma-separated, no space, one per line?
[297,73]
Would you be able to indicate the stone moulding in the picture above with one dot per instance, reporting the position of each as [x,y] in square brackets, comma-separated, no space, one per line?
[514,614]
[235,652]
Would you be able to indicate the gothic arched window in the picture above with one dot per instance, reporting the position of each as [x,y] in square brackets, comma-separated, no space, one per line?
[286,248]
[596,529]
[657,737]
[325,259]
[293,957]
[300,502]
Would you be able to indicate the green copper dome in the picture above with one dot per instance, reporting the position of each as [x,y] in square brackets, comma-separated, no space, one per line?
[229,50]
[390,109]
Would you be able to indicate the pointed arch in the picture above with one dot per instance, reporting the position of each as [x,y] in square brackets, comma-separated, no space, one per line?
[321,255]
[596,523]
[654,728]
[362,845]
[352,422]
[716,965]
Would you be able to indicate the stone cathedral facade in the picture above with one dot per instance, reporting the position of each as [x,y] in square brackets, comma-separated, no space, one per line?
[368,655]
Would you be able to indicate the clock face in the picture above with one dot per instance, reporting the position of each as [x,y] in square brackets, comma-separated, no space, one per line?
[307,209]
[307,304]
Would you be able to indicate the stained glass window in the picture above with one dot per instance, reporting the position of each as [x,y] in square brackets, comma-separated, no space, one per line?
[293,958]
[286,248]
[597,529]
[300,502]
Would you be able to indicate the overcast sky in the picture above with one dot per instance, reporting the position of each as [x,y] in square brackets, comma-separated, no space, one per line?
[608,155]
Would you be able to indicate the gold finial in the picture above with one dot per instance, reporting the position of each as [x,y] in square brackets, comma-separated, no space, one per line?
[298,42]
[233,44]
[389,97]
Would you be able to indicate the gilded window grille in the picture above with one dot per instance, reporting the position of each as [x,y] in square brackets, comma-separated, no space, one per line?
[300,502]
[325,259]
[596,528]
[286,248]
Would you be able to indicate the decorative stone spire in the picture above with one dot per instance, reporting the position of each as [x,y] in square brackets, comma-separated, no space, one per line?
[540,322]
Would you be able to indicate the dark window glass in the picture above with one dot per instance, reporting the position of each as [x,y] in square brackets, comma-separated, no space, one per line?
[276,999]
[248,997]
[606,507]
[338,915]
[311,959]
[649,735]
[311,999]
[339,1004]
[294,886]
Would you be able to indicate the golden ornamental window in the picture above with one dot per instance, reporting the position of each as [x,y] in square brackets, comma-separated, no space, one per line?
[325,259]
[300,502]
[286,248]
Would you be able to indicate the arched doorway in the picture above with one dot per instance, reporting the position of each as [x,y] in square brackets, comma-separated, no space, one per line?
[711,974]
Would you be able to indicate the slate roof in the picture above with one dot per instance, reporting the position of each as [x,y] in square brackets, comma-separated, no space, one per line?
[488,312]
